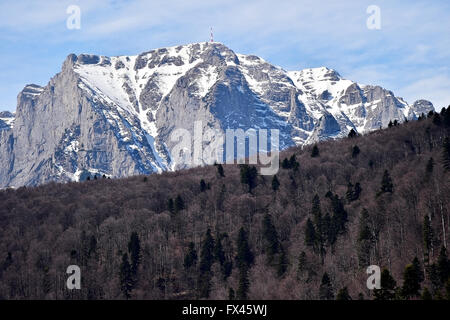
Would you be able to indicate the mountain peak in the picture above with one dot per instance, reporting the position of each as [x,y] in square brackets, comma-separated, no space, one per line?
[319,74]
[32,90]
[6,120]
[6,114]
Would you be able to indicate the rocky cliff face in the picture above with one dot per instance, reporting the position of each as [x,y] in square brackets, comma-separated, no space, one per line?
[114,115]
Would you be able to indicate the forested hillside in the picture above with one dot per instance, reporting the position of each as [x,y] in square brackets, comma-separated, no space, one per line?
[225,232]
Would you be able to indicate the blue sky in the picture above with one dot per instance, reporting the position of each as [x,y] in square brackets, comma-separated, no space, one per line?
[409,55]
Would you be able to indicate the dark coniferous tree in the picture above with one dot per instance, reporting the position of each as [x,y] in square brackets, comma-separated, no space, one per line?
[352,133]
[357,191]
[285,164]
[430,165]
[293,164]
[244,254]
[315,210]
[318,226]
[231,294]
[190,259]
[219,254]
[446,154]
[206,261]
[220,199]
[315,151]
[443,265]
[6,263]
[244,283]
[364,243]
[220,170]
[326,288]
[437,120]
[411,282]
[170,206]
[434,277]
[386,183]
[339,219]
[249,176]
[244,260]
[445,113]
[310,234]
[226,265]
[179,204]
[418,269]
[427,232]
[207,252]
[343,294]
[270,237]
[447,289]
[349,193]
[426,295]
[388,285]
[92,245]
[283,262]
[329,229]
[203,186]
[355,151]
[302,263]
[134,248]
[353,191]
[46,280]
[275,183]
[125,277]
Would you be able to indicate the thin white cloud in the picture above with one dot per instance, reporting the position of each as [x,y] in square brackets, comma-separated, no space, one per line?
[32,15]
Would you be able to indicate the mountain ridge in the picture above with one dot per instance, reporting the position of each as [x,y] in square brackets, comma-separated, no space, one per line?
[115,115]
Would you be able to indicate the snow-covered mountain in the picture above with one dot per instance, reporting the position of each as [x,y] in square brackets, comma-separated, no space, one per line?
[114,115]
